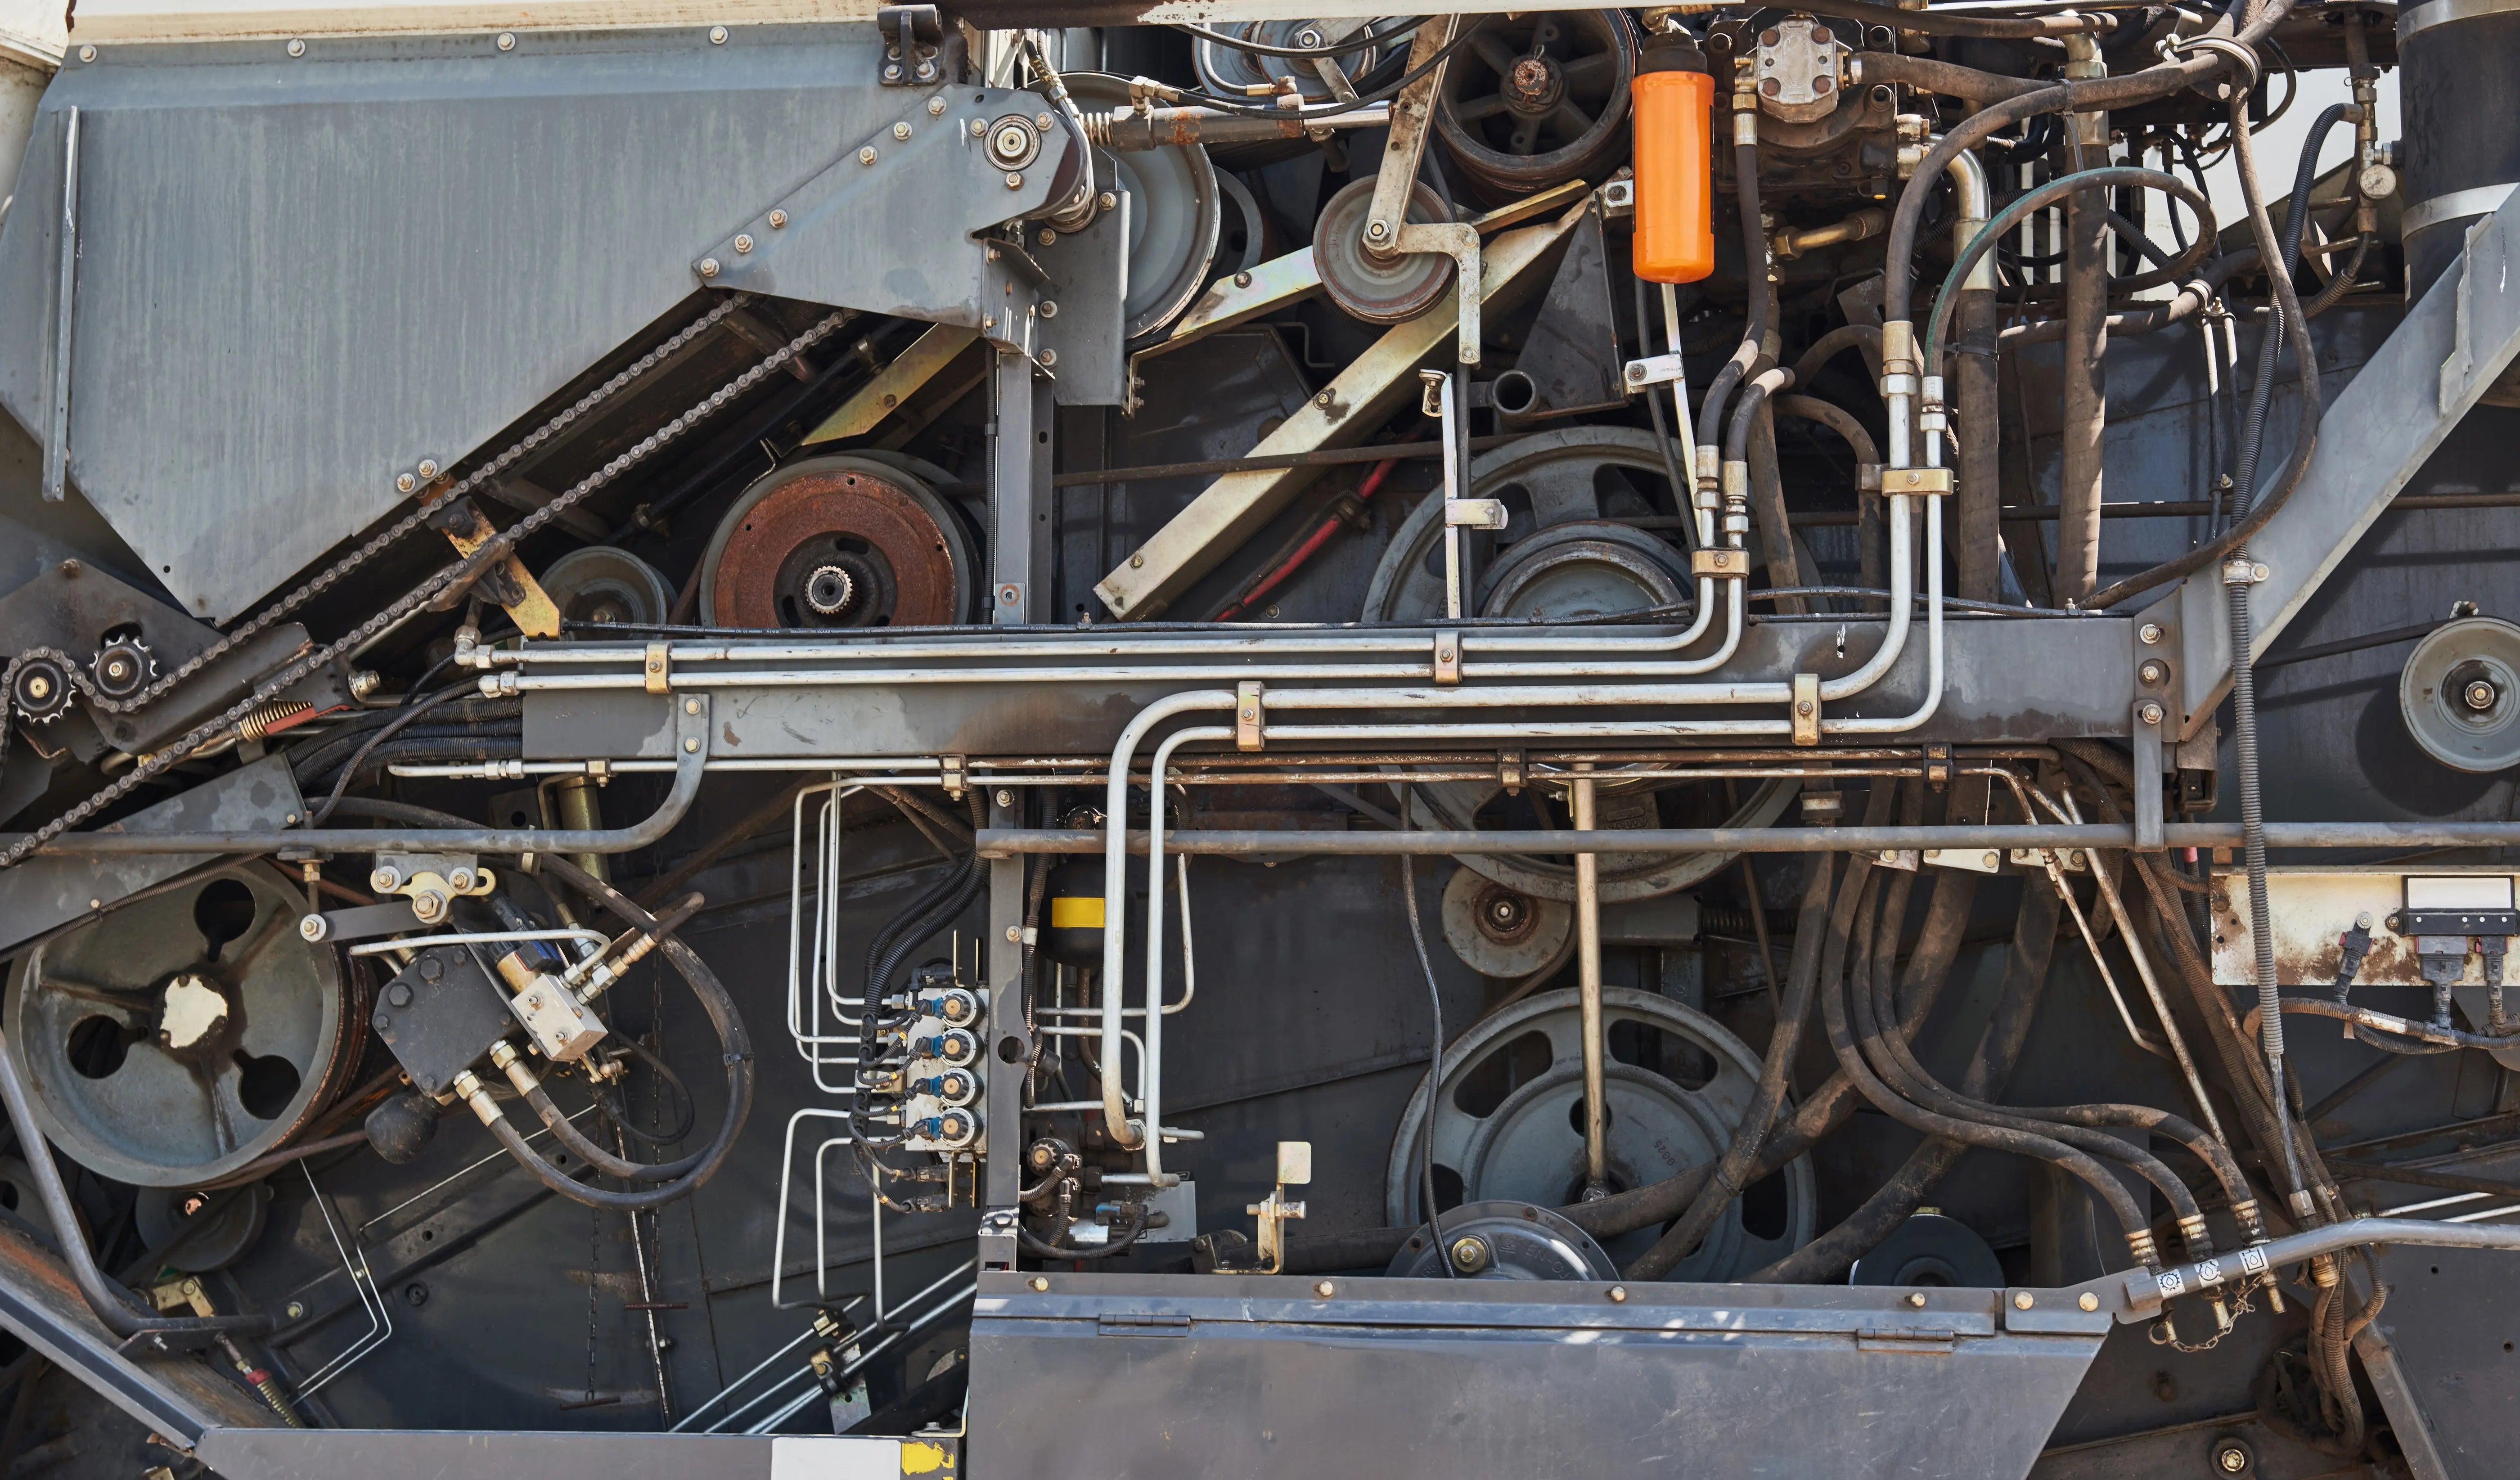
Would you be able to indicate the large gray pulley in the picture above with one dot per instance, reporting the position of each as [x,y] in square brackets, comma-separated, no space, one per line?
[178,1038]
[1510,1113]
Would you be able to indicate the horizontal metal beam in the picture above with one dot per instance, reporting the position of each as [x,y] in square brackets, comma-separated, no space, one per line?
[998,842]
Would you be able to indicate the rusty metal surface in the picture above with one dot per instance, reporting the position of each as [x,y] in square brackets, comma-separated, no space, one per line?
[896,561]
[2313,907]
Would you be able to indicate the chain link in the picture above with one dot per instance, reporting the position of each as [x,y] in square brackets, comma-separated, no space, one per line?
[430,502]
[497,548]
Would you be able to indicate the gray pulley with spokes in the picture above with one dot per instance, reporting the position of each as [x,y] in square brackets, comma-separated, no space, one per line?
[1510,1116]
[178,1038]
[1582,476]
[1563,557]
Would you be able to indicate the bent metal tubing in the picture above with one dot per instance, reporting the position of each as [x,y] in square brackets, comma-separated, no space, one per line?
[691,762]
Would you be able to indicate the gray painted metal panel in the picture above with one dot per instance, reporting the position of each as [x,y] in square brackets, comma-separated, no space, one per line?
[44,892]
[301,277]
[2374,436]
[2005,680]
[1182,1374]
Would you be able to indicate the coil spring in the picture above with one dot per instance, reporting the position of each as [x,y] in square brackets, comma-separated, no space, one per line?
[263,721]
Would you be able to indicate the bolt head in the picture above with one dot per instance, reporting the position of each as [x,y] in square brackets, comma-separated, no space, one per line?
[742,245]
[1993,859]
[935,107]
[87,54]
[2151,714]
[385,880]
[717,35]
[1376,231]
[428,467]
[901,130]
[1039,1284]
[2152,671]
[312,928]
[1618,1295]
[1107,201]
[1015,181]
[2232,1458]
[778,220]
[1243,280]
[691,745]
[404,482]
[709,267]
[461,878]
[2022,1300]
[507,41]
[866,155]
[296,1310]
[2479,694]
[1916,1299]
[1326,1289]
[1049,358]
[297,47]
[2089,1301]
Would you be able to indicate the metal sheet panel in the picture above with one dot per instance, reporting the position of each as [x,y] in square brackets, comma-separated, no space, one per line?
[1406,1378]
[43,892]
[301,277]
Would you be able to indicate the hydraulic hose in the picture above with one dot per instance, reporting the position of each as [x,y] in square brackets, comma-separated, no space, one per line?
[1827,1258]
[732,1041]
[1754,274]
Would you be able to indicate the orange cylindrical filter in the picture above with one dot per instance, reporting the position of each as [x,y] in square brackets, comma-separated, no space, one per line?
[1675,206]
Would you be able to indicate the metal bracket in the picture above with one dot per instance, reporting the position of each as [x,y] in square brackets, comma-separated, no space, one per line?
[2149,715]
[1250,704]
[1655,370]
[1295,1167]
[1448,657]
[2243,572]
[658,677]
[912,33]
[1474,513]
[951,769]
[1458,240]
[1723,561]
[1916,481]
[1806,709]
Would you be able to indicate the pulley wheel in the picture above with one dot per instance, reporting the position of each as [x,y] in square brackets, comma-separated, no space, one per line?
[2460,694]
[173,1040]
[1590,568]
[1175,213]
[837,543]
[1502,1240]
[1545,479]
[1932,1250]
[603,584]
[1497,932]
[1372,289]
[1233,73]
[1509,1122]
[1540,101]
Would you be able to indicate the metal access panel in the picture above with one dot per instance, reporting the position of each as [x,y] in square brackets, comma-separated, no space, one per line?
[302,275]
[1157,1376]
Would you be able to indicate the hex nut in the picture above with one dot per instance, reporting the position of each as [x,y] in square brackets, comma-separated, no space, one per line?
[717,35]
[2149,634]
[742,245]
[1014,181]
[866,155]
[778,220]
[709,267]
[405,482]
[507,41]
[935,107]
